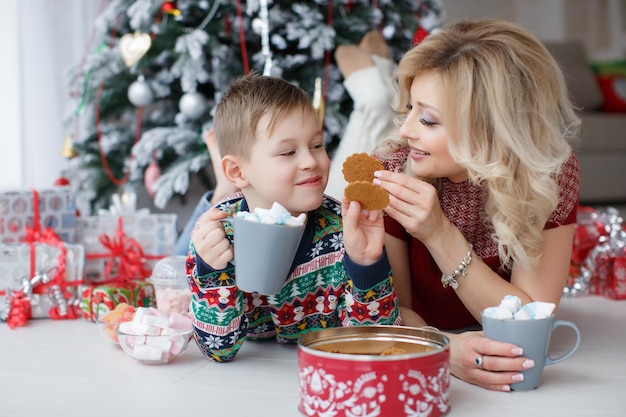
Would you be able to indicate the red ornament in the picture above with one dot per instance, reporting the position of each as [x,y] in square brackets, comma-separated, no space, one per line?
[169,7]
[153,172]
[61,181]
[419,35]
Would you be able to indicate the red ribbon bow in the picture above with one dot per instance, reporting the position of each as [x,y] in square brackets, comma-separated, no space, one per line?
[20,309]
[128,253]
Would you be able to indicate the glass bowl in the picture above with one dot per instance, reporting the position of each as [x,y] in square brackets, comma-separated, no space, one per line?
[154,349]
[108,329]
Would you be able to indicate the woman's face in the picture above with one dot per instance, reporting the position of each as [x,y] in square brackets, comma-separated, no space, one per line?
[425,130]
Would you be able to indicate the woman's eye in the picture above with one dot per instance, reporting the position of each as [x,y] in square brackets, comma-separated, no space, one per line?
[409,107]
[427,123]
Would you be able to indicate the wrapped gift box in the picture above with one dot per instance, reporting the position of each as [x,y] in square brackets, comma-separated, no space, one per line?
[56,209]
[16,274]
[107,239]
[97,300]
[607,267]
[601,254]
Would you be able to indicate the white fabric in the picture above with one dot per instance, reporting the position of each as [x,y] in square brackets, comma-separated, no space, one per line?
[370,121]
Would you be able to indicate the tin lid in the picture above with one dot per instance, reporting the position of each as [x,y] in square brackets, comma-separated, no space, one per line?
[374,341]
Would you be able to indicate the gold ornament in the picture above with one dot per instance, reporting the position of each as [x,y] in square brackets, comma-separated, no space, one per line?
[133,46]
[68,148]
[318,101]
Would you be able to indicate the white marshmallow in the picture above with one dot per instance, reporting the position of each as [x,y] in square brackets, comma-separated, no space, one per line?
[510,308]
[498,313]
[155,320]
[511,302]
[543,310]
[522,314]
[147,353]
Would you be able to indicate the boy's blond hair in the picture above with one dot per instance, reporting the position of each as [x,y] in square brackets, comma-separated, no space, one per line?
[245,102]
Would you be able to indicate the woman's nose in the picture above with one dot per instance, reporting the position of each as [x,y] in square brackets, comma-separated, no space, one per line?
[409,127]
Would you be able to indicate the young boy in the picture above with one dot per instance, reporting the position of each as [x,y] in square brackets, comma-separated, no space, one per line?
[273,151]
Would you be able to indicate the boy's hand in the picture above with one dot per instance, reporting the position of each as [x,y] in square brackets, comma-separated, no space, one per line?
[210,240]
[363,233]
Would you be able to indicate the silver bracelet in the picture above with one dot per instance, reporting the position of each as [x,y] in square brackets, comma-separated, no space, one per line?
[461,270]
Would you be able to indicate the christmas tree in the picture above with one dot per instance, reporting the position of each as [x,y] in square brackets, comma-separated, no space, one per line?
[144,93]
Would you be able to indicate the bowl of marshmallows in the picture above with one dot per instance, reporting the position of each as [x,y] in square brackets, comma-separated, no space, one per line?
[153,336]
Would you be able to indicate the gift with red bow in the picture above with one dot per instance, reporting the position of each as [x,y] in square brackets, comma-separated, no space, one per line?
[606,263]
[599,257]
[39,277]
[122,245]
[124,241]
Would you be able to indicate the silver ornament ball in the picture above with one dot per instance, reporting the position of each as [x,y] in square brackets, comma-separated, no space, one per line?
[140,94]
[192,105]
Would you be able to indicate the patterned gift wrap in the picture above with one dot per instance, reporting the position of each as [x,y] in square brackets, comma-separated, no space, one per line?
[101,235]
[57,210]
[15,273]
[97,300]
[605,265]
[608,273]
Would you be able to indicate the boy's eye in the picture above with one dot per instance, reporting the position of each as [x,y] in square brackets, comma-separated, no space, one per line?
[317,146]
[288,153]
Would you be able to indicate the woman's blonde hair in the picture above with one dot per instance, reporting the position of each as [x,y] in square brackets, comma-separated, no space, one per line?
[247,99]
[510,123]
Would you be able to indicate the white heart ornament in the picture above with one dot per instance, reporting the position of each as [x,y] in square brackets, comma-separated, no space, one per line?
[133,46]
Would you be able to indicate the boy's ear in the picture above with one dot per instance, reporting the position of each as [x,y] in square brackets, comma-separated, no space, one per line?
[233,172]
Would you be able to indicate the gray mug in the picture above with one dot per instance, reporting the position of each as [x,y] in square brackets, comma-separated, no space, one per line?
[533,336]
[264,254]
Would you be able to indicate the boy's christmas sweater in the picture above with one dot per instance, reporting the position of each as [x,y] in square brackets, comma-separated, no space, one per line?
[324,289]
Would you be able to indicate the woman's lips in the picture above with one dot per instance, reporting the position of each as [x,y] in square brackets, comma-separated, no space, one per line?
[418,153]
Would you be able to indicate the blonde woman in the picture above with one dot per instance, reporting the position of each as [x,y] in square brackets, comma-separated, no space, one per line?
[483,186]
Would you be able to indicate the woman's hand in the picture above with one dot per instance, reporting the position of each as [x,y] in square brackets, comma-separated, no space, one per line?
[210,241]
[363,233]
[485,362]
[413,203]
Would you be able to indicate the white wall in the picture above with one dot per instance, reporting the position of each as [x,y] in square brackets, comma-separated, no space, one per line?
[42,40]
[545,18]
[11,153]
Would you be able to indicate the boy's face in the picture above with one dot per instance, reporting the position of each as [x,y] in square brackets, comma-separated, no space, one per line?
[289,166]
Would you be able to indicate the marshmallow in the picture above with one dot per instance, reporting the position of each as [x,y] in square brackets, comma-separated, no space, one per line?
[523,314]
[173,299]
[499,313]
[510,308]
[543,310]
[511,302]
[147,353]
[167,340]
[277,214]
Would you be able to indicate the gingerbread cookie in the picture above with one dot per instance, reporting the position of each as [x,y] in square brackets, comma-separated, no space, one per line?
[360,167]
[371,196]
[358,170]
